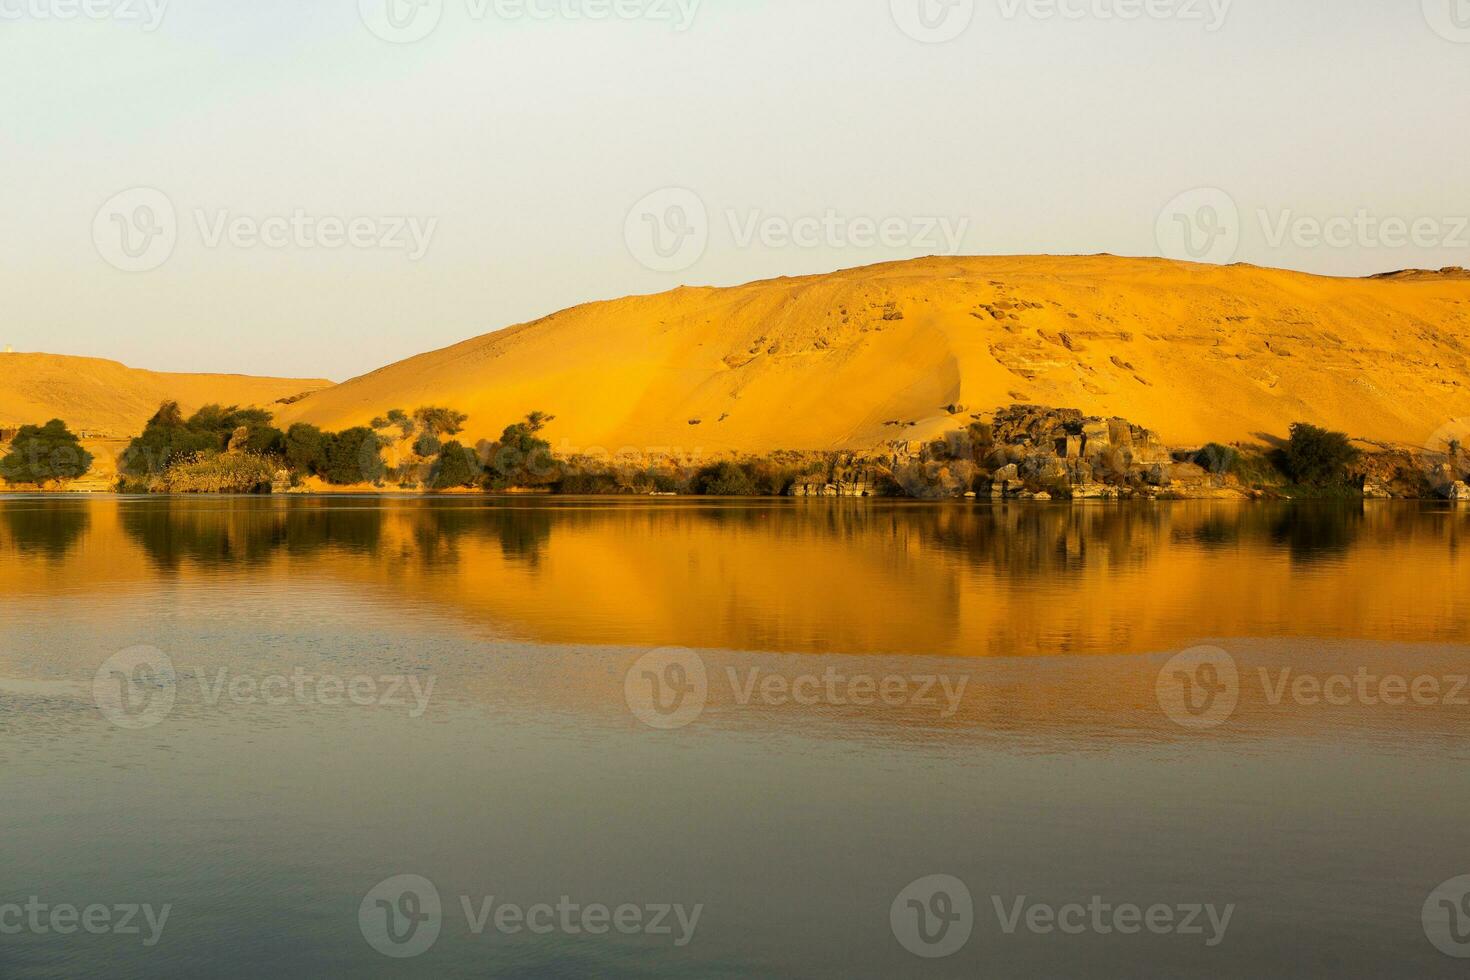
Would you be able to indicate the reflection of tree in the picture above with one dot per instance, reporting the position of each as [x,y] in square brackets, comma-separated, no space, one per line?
[521,531]
[1316,531]
[50,527]
[210,532]
[247,530]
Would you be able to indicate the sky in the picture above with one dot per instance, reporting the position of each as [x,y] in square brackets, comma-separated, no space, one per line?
[319,189]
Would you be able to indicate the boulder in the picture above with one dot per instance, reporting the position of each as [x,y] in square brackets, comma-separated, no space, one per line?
[1191,475]
[1041,468]
[1158,475]
[1459,492]
[1093,491]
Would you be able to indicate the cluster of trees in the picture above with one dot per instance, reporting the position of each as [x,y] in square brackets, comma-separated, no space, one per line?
[169,438]
[520,458]
[42,454]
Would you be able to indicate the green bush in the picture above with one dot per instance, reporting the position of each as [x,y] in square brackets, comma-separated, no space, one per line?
[306,449]
[455,467]
[725,479]
[440,421]
[217,473]
[1216,458]
[354,456]
[169,437]
[43,454]
[427,444]
[1316,457]
[521,458]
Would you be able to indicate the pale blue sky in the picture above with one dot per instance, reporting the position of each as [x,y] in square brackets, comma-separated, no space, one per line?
[527,141]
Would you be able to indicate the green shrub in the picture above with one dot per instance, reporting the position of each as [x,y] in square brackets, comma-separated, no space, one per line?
[521,458]
[725,479]
[440,421]
[306,449]
[354,456]
[1216,458]
[43,454]
[217,473]
[455,467]
[427,444]
[1316,457]
[169,437]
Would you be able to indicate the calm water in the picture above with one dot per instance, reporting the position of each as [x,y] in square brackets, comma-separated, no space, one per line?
[679,738]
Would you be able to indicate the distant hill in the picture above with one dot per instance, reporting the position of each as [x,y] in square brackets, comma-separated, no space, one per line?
[860,357]
[108,399]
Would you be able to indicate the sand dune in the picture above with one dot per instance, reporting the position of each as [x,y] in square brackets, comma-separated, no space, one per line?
[106,398]
[1197,352]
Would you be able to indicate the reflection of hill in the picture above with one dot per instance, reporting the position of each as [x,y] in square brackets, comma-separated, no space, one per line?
[808,577]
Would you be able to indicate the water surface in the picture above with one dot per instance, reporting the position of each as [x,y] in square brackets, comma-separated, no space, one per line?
[527,775]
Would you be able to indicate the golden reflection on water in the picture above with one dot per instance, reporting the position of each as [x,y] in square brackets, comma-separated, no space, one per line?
[794,577]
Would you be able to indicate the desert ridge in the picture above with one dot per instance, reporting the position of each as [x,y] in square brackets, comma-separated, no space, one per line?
[105,400]
[906,351]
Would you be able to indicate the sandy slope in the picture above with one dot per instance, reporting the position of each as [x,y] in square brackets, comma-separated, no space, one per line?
[109,399]
[1197,352]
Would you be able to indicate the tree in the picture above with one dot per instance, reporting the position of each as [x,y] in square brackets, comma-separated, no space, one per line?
[522,457]
[266,441]
[354,456]
[455,466]
[306,449]
[441,421]
[165,438]
[426,445]
[43,454]
[725,479]
[1318,457]
[399,417]
[168,437]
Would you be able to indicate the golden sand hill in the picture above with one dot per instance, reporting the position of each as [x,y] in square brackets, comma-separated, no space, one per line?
[861,357]
[108,399]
